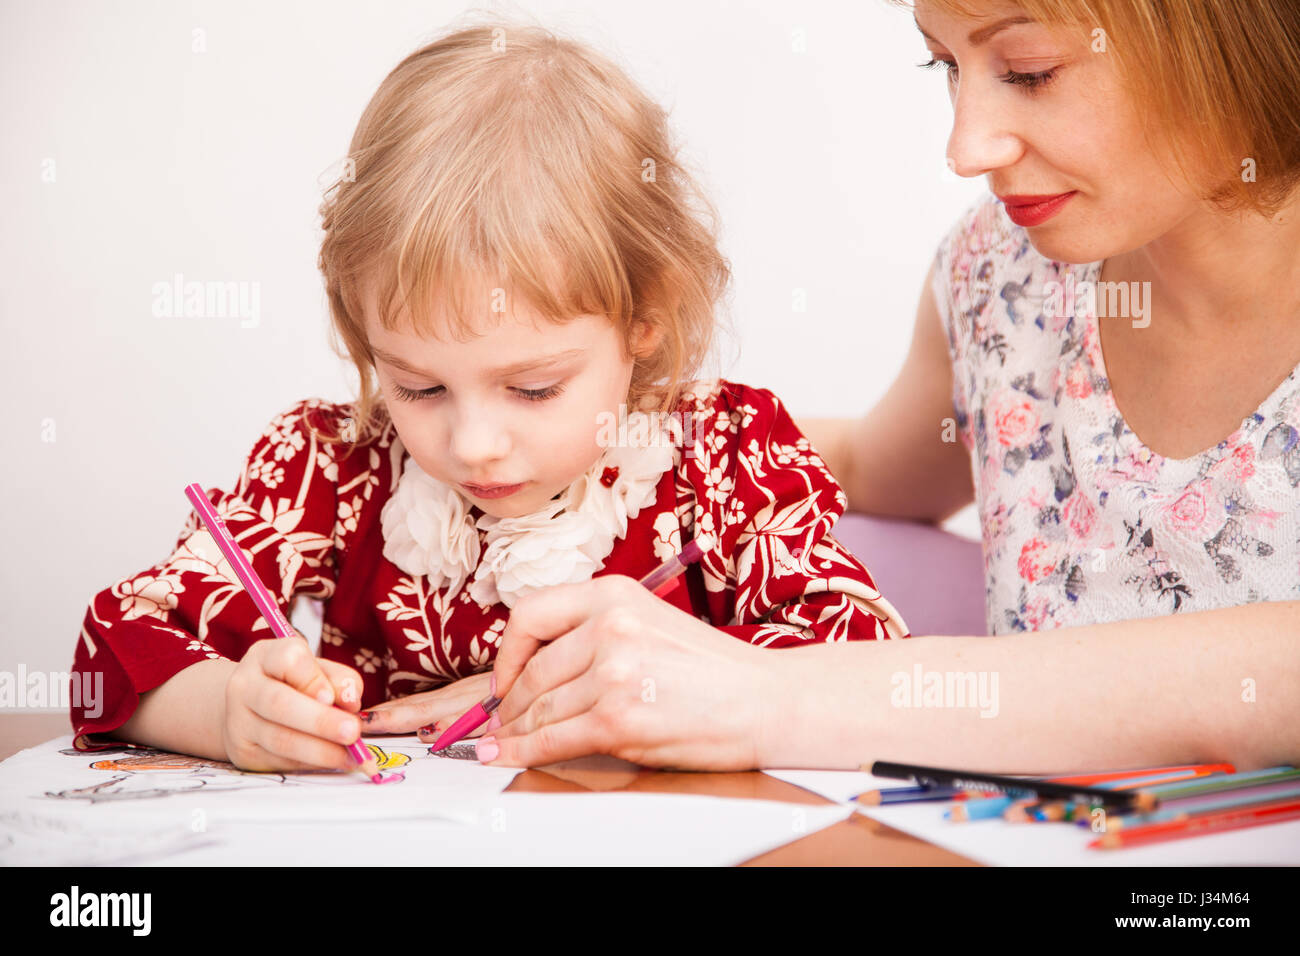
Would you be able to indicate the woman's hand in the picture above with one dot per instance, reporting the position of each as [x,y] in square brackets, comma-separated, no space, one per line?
[604,666]
[279,710]
[431,712]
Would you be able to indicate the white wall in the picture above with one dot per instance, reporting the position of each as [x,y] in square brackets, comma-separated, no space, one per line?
[826,165]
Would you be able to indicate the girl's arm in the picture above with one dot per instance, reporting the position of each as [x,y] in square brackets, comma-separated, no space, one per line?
[1221,685]
[185,714]
[895,460]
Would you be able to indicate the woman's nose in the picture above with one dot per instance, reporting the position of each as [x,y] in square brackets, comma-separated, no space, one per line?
[982,137]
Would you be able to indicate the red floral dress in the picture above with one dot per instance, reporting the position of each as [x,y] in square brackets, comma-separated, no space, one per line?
[307,514]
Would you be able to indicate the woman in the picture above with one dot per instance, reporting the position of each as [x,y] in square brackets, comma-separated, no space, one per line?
[1156,559]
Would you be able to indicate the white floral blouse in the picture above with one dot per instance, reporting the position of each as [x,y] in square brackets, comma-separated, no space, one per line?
[1082,523]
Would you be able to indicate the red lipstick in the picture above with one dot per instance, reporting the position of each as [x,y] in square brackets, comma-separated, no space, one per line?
[1034,210]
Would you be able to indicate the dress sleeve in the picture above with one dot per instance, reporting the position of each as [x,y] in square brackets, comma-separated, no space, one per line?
[191,606]
[770,502]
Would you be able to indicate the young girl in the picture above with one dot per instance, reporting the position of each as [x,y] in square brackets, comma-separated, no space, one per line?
[514,260]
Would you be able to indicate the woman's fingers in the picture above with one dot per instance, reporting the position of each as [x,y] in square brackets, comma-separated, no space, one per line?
[550,743]
[544,615]
[558,704]
[556,664]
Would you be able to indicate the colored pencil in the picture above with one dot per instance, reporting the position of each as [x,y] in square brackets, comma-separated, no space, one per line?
[873,798]
[1207,803]
[1200,825]
[266,604]
[1012,786]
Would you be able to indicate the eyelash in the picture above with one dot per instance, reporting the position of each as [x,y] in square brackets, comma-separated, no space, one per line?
[1032,82]
[528,394]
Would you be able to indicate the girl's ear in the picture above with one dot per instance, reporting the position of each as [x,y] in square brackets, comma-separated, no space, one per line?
[646,337]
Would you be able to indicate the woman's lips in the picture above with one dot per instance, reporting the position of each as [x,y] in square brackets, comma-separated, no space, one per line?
[492,491]
[1034,210]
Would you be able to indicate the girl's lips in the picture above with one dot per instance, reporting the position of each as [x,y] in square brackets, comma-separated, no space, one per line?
[1034,210]
[492,491]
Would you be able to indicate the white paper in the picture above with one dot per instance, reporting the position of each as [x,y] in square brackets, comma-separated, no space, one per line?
[546,829]
[58,809]
[70,796]
[1000,843]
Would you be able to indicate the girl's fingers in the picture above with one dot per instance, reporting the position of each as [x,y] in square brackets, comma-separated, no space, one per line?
[291,749]
[279,704]
[293,663]
[347,683]
[418,710]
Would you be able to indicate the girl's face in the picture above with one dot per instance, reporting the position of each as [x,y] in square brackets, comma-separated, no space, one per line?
[510,417]
[1044,116]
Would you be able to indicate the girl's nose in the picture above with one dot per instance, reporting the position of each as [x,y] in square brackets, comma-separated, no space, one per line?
[475,441]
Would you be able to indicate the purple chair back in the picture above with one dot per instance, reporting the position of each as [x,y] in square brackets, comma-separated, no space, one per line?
[933,577]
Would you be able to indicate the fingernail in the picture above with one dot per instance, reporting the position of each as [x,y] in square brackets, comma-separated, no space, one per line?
[428,729]
[325,695]
[346,734]
[366,716]
[492,684]
[486,749]
[493,723]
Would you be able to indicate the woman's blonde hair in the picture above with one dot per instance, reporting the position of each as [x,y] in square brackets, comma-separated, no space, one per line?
[1221,78]
[504,152]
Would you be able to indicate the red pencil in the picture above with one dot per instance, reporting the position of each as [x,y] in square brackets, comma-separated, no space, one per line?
[1198,826]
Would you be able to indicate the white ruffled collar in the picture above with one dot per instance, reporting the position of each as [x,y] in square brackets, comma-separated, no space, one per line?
[428,528]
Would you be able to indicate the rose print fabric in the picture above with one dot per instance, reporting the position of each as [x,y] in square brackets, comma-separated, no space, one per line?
[307,515]
[1082,523]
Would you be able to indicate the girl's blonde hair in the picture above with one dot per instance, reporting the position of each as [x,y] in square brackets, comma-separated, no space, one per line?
[1219,77]
[506,153]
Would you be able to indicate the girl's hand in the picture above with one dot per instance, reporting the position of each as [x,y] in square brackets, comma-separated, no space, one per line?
[604,666]
[280,712]
[431,712]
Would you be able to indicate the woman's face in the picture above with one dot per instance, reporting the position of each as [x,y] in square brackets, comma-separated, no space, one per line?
[519,405]
[1043,114]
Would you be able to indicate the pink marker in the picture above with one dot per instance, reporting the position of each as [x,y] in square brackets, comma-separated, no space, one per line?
[662,580]
[265,602]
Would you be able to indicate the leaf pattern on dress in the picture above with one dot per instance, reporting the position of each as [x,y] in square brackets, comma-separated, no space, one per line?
[306,512]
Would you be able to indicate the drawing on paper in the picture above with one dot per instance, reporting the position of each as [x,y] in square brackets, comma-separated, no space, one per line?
[142,773]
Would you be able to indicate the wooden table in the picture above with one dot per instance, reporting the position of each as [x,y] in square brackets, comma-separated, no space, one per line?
[857,841]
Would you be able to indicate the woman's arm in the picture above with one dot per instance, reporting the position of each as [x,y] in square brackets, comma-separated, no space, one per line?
[895,461]
[1220,685]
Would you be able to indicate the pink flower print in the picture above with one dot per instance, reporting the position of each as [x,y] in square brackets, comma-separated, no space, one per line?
[1080,515]
[1078,384]
[1235,467]
[1013,420]
[1036,613]
[1195,513]
[1038,559]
